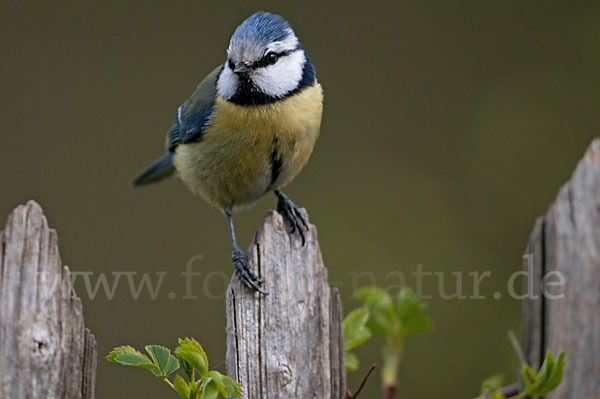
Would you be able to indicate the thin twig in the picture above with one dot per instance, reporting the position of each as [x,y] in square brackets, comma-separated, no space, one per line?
[516,346]
[362,384]
[507,391]
[511,390]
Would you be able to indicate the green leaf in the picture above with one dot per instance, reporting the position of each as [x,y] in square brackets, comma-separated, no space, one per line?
[217,378]
[181,387]
[407,304]
[547,378]
[188,369]
[530,380]
[112,355]
[545,370]
[355,332]
[121,350]
[375,297]
[555,377]
[162,357]
[210,389]
[381,308]
[231,387]
[128,356]
[380,324]
[351,362]
[224,385]
[492,383]
[191,351]
[414,325]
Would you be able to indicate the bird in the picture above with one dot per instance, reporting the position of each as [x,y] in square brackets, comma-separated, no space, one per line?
[248,128]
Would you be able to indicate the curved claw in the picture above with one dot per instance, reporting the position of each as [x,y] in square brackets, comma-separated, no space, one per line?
[244,272]
[301,217]
[239,257]
[290,211]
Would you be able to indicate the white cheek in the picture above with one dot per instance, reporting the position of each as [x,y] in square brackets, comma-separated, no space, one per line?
[282,77]
[227,83]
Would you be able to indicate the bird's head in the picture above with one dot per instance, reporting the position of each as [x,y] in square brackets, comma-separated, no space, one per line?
[265,62]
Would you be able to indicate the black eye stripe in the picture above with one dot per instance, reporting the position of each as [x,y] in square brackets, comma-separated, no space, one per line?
[264,61]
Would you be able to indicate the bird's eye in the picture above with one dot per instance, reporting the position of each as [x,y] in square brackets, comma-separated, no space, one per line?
[231,65]
[271,58]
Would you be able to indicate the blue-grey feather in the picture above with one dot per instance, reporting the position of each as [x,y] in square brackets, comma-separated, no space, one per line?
[160,169]
[191,118]
[174,135]
[262,28]
[187,126]
[192,125]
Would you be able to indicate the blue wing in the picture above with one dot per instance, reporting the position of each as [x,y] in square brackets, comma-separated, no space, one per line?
[192,117]
[189,124]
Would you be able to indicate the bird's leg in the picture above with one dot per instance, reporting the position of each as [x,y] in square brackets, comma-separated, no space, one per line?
[240,262]
[290,211]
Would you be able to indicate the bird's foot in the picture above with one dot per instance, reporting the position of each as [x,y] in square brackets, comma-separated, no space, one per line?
[290,211]
[244,272]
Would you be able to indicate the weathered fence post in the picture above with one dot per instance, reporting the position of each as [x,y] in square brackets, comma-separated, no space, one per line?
[45,349]
[567,241]
[288,344]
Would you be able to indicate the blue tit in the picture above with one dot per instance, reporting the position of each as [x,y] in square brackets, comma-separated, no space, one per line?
[248,128]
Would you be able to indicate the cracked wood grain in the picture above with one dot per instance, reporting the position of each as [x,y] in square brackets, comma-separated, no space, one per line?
[288,344]
[45,349]
[567,240]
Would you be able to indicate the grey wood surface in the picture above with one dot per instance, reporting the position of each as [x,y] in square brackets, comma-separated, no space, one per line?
[288,344]
[45,349]
[567,240]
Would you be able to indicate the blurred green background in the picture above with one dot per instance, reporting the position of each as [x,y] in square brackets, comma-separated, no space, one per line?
[448,127]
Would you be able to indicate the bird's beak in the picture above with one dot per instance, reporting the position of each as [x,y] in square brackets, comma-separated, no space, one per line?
[242,68]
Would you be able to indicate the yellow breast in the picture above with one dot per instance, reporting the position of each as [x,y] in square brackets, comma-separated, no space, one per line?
[231,165]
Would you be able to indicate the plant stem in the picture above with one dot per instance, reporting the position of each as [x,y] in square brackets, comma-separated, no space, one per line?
[165,379]
[391,358]
[364,381]
[390,391]
[512,391]
[390,369]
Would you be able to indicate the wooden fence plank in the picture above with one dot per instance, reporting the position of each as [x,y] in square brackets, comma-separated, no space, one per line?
[45,349]
[288,344]
[567,241]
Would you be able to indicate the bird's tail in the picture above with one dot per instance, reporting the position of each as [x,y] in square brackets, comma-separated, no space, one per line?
[161,168]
